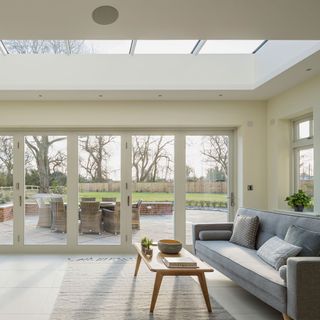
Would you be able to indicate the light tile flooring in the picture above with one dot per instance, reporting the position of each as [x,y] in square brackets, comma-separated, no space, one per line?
[29,285]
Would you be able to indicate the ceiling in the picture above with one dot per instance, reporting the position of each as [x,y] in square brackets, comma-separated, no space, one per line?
[175,19]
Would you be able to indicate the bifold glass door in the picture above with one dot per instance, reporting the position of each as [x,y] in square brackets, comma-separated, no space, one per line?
[153,187]
[207,180]
[82,190]
[6,190]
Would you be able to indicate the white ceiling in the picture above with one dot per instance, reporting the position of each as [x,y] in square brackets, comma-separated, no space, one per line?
[179,19]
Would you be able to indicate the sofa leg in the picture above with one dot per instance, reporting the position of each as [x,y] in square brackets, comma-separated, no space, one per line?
[286,317]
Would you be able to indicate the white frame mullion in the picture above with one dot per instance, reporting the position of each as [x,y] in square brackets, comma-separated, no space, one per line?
[72,191]
[18,193]
[126,193]
[180,187]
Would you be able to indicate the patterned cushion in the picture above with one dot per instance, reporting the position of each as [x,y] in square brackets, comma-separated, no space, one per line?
[245,231]
[276,252]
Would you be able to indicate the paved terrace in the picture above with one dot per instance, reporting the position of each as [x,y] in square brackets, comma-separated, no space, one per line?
[154,226]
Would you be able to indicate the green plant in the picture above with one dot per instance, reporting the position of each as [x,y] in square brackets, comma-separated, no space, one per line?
[298,199]
[146,242]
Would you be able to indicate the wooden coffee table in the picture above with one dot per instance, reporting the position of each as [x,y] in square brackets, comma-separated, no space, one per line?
[155,264]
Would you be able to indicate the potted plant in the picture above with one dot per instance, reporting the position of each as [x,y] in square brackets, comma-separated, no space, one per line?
[146,244]
[298,200]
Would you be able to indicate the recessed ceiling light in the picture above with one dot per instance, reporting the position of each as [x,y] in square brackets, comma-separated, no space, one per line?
[40,95]
[105,15]
[308,69]
[100,95]
[159,95]
[220,95]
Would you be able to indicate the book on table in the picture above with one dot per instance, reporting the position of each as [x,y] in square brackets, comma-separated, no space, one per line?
[179,262]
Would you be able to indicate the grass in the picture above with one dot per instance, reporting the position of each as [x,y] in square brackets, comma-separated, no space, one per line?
[157,196]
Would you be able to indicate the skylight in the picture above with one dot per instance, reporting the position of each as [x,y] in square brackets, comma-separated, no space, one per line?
[129,46]
[100,46]
[35,46]
[164,46]
[230,46]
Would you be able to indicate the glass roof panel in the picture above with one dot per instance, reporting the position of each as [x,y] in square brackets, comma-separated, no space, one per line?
[36,46]
[164,46]
[230,46]
[100,46]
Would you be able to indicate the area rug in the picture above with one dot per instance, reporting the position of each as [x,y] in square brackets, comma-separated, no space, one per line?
[96,289]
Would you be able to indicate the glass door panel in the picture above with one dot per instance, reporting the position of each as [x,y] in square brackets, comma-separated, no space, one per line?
[207,168]
[45,218]
[6,190]
[99,189]
[153,187]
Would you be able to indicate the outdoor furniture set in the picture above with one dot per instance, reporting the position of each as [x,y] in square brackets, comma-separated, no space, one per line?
[94,216]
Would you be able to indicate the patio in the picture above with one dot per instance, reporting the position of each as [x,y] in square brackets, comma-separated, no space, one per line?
[154,226]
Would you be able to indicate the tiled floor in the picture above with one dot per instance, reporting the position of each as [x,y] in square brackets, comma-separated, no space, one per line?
[29,285]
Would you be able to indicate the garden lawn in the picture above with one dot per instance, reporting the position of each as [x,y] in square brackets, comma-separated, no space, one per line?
[157,196]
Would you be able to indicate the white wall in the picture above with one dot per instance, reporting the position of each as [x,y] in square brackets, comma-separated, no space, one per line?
[247,116]
[293,103]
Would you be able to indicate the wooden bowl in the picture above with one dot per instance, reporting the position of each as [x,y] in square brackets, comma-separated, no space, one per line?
[169,246]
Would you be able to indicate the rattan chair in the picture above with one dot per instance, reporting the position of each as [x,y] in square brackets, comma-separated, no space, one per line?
[88,199]
[90,217]
[111,219]
[136,215]
[109,199]
[59,215]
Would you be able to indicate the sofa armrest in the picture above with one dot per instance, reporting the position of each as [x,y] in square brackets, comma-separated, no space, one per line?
[196,228]
[303,283]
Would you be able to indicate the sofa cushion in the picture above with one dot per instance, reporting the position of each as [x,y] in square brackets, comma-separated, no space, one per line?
[244,267]
[245,231]
[215,235]
[308,240]
[276,252]
[277,224]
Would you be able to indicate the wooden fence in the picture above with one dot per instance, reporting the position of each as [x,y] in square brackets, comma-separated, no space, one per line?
[192,187]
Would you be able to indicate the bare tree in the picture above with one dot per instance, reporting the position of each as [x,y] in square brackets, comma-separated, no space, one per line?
[96,162]
[46,162]
[6,157]
[148,153]
[44,46]
[215,149]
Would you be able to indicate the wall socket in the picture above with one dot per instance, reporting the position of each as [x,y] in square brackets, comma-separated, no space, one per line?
[250,187]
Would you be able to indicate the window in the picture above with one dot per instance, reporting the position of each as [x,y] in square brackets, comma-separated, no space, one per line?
[303,155]
[231,46]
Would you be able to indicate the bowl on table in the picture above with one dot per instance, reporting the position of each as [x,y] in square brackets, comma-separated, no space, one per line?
[169,246]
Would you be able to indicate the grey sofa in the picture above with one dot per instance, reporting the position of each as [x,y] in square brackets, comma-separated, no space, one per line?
[299,296]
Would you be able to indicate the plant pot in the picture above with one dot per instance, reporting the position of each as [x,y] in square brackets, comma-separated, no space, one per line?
[146,251]
[299,208]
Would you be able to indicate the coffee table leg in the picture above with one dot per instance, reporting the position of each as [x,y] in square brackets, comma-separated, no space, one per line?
[156,288]
[137,265]
[204,288]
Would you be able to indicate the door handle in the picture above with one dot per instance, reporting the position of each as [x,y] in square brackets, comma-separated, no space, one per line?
[231,197]
[128,201]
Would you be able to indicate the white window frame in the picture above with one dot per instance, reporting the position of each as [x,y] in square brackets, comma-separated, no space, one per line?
[298,145]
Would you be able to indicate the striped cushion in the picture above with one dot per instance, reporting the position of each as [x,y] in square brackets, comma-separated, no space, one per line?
[245,231]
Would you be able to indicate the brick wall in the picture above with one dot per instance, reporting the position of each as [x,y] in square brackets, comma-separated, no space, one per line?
[6,213]
[156,208]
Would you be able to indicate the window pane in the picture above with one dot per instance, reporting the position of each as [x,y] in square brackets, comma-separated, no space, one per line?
[164,46]
[304,129]
[35,46]
[100,46]
[306,165]
[207,160]
[230,46]
[45,220]
[99,190]
[6,190]
[153,181]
